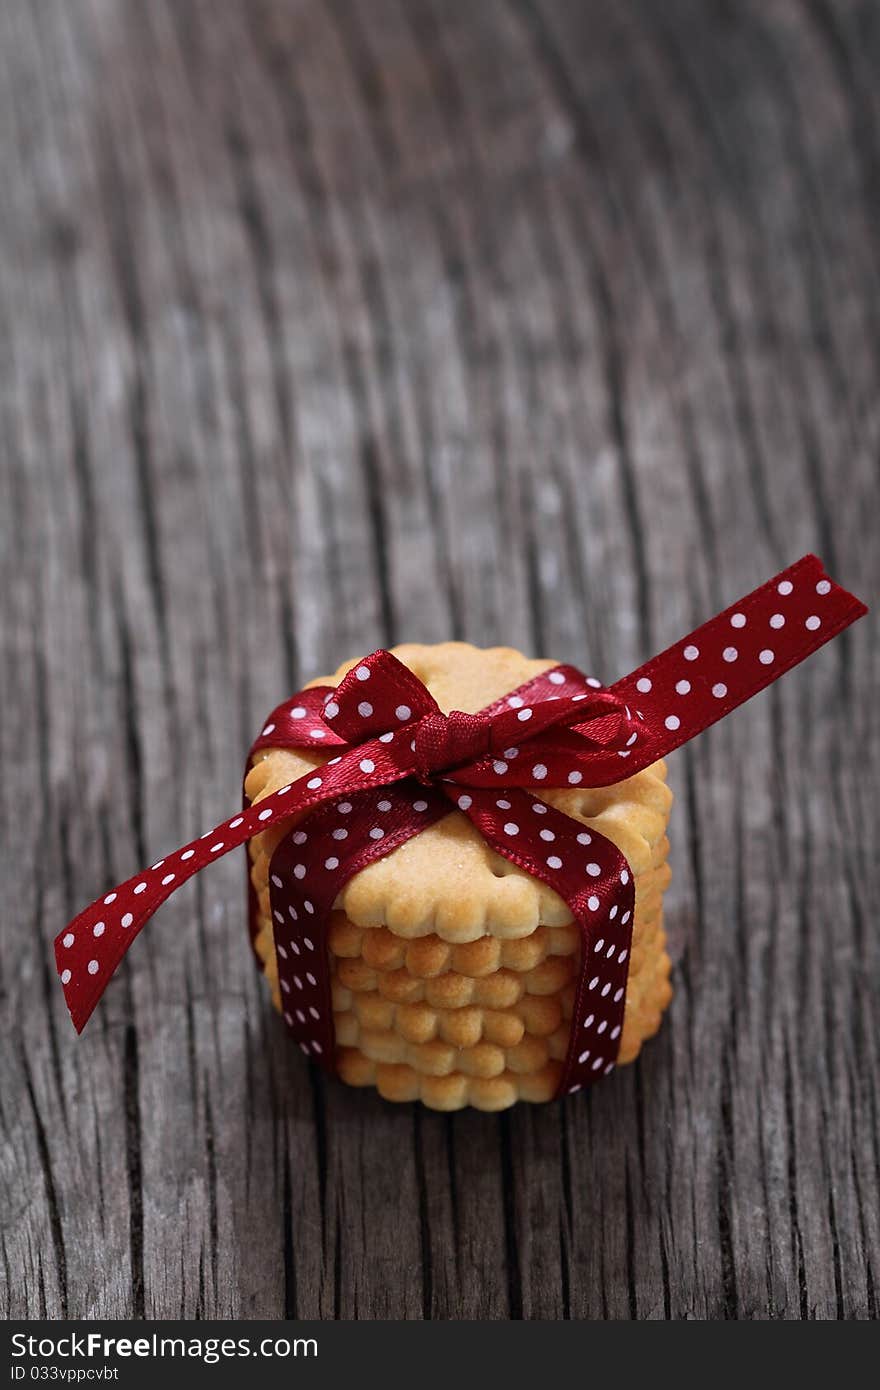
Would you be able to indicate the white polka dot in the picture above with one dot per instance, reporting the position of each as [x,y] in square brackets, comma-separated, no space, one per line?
[216,848]
[309,945]
[344,807]
[340,834]
[314,1012]
[691,653]
[730,653]
[593,903]
[314,782]
[584,1055]
[738,620]
[634,736]
[516,702]
[585,838]
[556,677]
[765,657]
[618,995]
[622,957]
[365,709]
[525,714]
[500,767]
[502,804]
[644,686]
[65,977]
[403,712]
[127,920]
[265,815]
[377,833]
[554,862]
[331,709]
[604,1024]
[511,753]
[599,944]
[812,623]
[465,801]
[625,918]
[299,870]
[269,729]
[367,765]
[590,1018]
[169,878]
[300,1015]
[719,690]
[420,805]
[140,888]
[511,828]
[615,1032]
[683,687]
[93,967]
[331,863]
[69,938]
[363,673]
[278,916]
[538,808]
[613,913]
[593,983]
[593,870]
[823,587]
[311,979]
[784,586]
[298,712]
[672,722]
[280,949]
[539,772]
[233,824]
[591,681]
[547,835]
[299,837]
[383,738]
[777,620]
[383,805]
[318,733]
[575,777]
[317,1046]
[187,854]
[609,953]
[572,1090]
[598,1062]
[624,875]
[110,898]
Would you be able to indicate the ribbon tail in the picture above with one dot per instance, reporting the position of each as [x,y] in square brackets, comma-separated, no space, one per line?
[733,656]
[89,949]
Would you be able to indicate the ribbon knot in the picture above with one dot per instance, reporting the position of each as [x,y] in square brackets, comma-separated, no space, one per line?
[445,741]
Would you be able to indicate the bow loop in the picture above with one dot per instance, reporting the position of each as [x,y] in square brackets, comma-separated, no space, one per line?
[376,696]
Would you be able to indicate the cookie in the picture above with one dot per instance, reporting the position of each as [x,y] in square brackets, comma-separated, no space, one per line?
[454,971]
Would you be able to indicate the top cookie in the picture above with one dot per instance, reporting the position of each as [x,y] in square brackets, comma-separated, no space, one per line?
[447,880]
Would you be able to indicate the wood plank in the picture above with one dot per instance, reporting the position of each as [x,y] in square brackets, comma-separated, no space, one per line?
[335,325]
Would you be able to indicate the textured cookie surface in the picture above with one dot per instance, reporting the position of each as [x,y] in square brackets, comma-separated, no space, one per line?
[454,970]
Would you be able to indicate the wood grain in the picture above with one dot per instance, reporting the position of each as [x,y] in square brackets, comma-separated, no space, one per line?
[329,325]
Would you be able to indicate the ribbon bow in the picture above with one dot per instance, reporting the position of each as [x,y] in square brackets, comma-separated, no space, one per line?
[397,764]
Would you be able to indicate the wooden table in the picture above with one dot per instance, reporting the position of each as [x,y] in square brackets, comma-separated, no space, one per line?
[330,325]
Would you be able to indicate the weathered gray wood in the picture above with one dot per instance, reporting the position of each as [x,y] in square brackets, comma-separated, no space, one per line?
[330,325]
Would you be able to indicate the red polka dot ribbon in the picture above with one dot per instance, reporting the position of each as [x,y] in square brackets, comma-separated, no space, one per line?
[397,764]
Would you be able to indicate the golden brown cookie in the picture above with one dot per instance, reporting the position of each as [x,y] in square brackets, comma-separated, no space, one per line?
[454,971]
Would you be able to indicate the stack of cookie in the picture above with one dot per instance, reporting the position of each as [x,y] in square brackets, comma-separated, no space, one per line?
[453,970]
